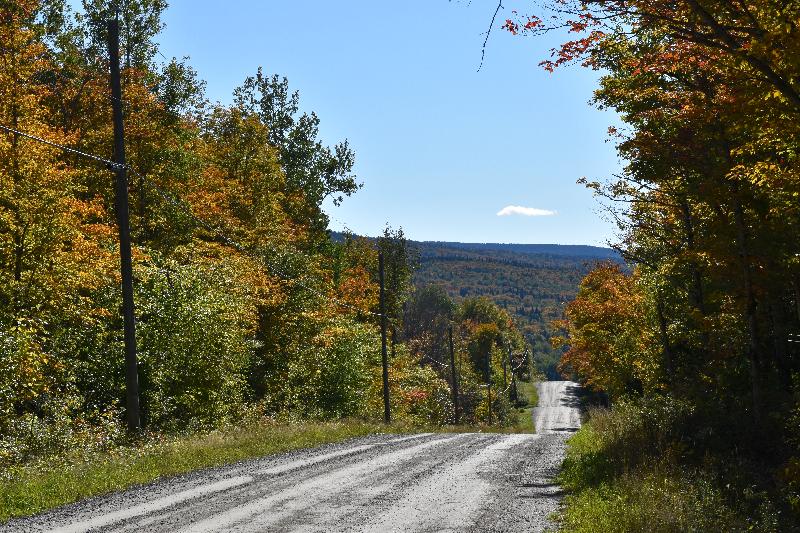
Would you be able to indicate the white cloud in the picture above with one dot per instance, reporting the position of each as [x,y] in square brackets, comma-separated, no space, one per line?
[524,211]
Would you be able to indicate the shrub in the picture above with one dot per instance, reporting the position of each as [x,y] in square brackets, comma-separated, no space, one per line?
[195,343]
[25,370]
[327,377]
[417,394]
[631,468]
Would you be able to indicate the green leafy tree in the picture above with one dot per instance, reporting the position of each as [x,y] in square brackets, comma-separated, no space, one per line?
[318,171]
[399,262]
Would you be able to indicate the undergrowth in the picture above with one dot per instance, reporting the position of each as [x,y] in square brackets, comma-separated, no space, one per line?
[636,468]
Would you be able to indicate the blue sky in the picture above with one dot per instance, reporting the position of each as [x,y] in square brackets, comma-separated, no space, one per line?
[440,147]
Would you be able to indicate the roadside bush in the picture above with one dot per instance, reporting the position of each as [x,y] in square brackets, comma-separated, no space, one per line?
[634,430]
[56,434]
[631,468]
[327,377]
[195,342]
[417,394]
[25,371]
[429,399]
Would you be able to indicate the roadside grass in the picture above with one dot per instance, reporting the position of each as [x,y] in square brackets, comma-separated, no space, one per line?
[55,481]
[528,399]
[617,480]
[657,501]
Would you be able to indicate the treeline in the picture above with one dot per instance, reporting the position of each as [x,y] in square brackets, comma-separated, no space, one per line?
[708,208]
[533,288]
[244,304]
[575,251]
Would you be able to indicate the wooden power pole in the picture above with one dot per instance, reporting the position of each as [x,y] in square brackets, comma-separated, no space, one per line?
[513,396]
[489,382]
[454,387]
[387,410]
[121,208]
[505,371]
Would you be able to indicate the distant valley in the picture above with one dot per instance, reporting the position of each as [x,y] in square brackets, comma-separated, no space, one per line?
[533,282]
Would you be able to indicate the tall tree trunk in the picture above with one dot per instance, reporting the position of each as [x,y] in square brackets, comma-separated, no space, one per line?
[696,298]
[780,336]
[669,363]
[696,293]
[751,305]
[754,354]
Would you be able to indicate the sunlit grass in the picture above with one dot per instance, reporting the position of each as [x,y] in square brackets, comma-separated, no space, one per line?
[615,485]
[526,391]
[53,482]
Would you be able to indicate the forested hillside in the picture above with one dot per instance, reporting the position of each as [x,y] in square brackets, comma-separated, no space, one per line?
[533,282]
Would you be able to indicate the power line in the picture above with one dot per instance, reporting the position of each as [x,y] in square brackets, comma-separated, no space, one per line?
[110,164]
[432,360]
[183,207]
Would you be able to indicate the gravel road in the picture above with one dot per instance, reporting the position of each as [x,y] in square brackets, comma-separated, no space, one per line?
[381,483]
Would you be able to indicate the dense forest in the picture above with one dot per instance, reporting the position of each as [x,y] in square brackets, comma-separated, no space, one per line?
[532,282]
[245,306]
[693,348]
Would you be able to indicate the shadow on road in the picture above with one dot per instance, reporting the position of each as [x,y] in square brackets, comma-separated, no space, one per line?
[572,396]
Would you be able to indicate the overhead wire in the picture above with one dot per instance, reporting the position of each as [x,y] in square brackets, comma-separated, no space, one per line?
[432,360]
[107,162]
[172,200]
[183,206]
[511,383]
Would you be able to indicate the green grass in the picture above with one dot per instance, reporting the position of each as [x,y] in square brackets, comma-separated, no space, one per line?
[53,482]
[655,500]
[526,390]
[615,485]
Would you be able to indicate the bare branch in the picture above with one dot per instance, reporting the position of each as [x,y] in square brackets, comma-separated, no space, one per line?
[488,33]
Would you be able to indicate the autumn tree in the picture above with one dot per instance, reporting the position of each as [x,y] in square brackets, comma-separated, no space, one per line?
[611,340]
[427,317]
[710,107]
[399,260]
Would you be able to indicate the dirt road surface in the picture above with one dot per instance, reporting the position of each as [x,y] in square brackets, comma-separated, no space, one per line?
[382,483]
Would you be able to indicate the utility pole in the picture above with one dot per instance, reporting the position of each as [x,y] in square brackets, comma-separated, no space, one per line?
[505,371]
[489,388]
[513,395]
[387,412]
[121,208]
[454,388]
[489,381]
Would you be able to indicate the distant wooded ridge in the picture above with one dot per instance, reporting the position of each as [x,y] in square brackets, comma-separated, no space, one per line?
[563,250]
[566,250]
